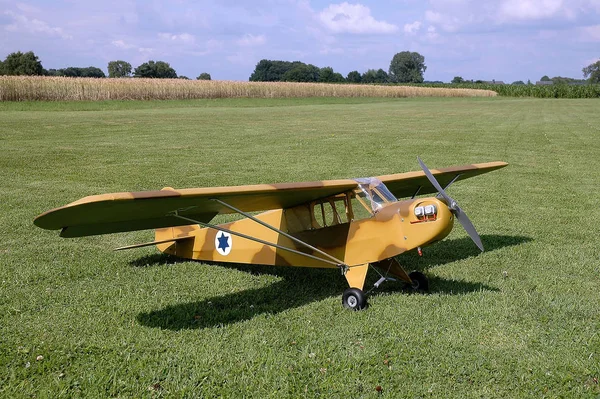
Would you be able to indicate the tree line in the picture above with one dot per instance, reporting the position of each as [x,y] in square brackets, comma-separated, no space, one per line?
[28,63]
[405,67]
[594,78]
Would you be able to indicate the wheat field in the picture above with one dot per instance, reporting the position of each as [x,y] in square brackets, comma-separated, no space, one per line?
[44,88]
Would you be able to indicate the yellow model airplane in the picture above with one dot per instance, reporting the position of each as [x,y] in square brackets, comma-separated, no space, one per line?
[315,224]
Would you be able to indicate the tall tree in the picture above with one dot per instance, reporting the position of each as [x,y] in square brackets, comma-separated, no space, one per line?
[328,75]
[407,67]
[370,76]
[545,78]
[381,76]
[158,69]
[302,73]
[458,79]
[353,77]
[119,69]
[593,72]
[274,71]
[22,64]
[203,76]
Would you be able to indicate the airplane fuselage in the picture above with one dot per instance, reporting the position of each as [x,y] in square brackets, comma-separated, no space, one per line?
[394,229]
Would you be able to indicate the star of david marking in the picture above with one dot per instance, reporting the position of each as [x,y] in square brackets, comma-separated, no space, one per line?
[223,243]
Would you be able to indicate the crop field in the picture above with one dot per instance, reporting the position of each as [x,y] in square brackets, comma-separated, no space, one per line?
[530,90]
[44,88]
[519,320]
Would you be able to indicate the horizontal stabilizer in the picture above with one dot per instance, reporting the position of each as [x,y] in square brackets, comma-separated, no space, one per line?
[148,244]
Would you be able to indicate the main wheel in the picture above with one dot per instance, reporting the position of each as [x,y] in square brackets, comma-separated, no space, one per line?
[354,299]
[420,282]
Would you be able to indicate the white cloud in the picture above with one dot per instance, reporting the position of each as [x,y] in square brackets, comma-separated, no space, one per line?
[446,21]
[249,40]
[182,38]
[412,29]
[432,33]
[353,18]
[22,24]
[433,17]
[121,44]
[532,9]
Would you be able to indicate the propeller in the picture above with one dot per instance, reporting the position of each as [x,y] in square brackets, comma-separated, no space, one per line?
[454,208]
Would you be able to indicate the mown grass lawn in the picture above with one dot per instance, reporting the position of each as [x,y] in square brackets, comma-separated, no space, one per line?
[521,319]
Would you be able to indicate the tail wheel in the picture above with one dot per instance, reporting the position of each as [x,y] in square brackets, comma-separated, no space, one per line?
[420,282]
[354,299]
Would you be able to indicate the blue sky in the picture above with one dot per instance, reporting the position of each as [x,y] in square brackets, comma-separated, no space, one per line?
[503,40]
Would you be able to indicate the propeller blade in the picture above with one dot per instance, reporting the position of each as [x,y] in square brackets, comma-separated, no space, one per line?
[453,206]
[434,182]
[469,228]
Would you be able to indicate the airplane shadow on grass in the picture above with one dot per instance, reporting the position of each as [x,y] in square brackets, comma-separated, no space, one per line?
[300,286]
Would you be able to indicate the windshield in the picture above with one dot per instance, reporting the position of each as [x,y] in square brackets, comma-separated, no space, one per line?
[374,192]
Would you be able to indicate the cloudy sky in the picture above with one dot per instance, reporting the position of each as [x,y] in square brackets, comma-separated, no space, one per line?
[477,39]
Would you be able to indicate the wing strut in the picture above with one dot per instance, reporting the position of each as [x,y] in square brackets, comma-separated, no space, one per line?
[339,264]
[448,185]
[268,226]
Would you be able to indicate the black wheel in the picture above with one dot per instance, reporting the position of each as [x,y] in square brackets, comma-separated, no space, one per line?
[354,299]
[420,282]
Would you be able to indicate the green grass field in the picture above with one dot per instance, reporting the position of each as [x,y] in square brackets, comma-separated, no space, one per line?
[521,319]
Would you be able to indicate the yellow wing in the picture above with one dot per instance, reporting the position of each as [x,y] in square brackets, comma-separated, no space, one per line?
[407,184]
[130,211]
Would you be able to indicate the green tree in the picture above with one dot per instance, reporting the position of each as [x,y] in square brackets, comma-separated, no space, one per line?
[204,76]
[183,77]
[302,73]
[119,69]
[407,67]
[92,72]
[370,76]
[593,72]
[375,76]
[158,69]
[458,79]
[22,64]
[381,76]
[328,75]
[545,78]
[353,77]
[77,72]
[274,71]
[518,82]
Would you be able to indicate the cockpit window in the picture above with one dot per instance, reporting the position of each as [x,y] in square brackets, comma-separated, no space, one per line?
[374,192]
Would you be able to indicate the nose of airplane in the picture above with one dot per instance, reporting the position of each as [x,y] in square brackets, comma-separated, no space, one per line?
[462,217]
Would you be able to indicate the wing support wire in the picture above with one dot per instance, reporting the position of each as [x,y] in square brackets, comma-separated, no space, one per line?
[448,185]
[336,262]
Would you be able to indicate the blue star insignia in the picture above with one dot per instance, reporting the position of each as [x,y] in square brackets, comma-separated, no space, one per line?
[223,242]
